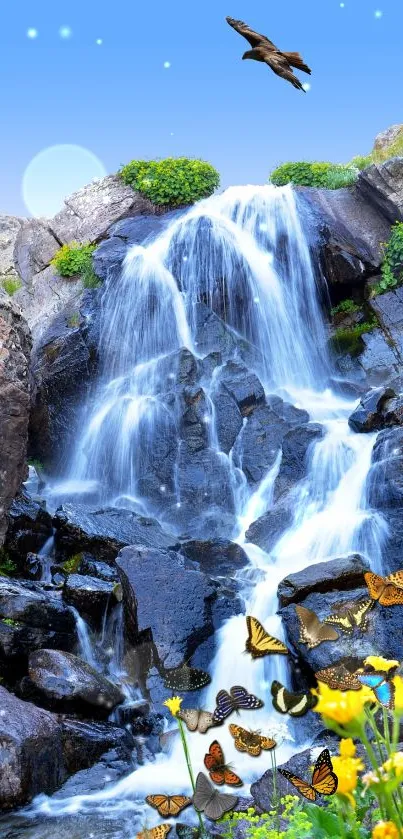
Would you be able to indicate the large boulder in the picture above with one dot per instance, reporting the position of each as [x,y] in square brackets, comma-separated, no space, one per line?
[388,308]
[219,559]
[345,573]
[381,185]
[379,408]
[297,446]
[103,532]
[85,742]
[90,596]
[9,229]
[268,528]
[62,680]
[64,366]
[29,527]
[385,495]
[15,348]
[31,751]
[35,247]
[385,139]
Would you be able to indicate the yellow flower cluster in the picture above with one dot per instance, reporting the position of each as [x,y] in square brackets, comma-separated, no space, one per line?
[385,830]
[380,663]
[394,766]
[346,768]
[341,706]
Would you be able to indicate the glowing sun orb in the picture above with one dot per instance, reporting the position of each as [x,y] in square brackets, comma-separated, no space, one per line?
[306,86]
[167,65]
[378,14]
[32,33]
[54,174]
[65,32]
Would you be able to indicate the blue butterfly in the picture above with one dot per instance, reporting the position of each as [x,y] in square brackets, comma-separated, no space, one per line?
[237,699]
[380,681]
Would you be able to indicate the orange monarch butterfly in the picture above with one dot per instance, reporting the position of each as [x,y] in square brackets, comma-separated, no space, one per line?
[158,832]
[219,771]
[388,591]
[168,805]
[324,780]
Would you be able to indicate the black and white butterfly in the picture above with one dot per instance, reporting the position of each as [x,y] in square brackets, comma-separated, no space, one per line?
[185,678]
[295,704]
[238,699]
[210,801]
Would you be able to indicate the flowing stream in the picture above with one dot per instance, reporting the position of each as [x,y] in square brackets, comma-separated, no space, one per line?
[243,254]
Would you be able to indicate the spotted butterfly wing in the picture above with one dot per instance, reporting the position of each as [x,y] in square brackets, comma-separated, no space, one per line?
[185,678]
[158,832]
[208,800]
[312,631]
[324,780]
[396,578]
[259,643]
[219,771]
[384,589]
[295,704]
[251,742]
[237,699]
[168,805]
[338,677]
[380,682]
[196,720]
[351,614]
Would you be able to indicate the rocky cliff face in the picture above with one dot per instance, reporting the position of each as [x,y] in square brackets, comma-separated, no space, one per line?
[15,347]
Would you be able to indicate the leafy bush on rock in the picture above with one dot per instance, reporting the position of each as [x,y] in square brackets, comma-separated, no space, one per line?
[173,181]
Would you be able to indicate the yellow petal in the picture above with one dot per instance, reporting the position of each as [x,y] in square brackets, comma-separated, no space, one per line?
[174,704]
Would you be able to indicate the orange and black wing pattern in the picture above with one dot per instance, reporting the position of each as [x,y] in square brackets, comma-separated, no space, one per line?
[168,805]
[219,771]
[324,780]
[388,591]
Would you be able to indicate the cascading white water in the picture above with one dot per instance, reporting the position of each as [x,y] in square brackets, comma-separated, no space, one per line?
[244,255]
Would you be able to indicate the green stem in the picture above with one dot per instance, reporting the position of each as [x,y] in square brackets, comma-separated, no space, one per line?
[190,770]
[386,730]
[378,737]
[275,791]
[340,816]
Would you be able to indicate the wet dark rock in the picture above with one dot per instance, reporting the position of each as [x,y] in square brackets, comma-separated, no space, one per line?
[384,626]
[213,335]
[90,596]
[85,742]
[342,574]
[29,526]
[194,429]
[18,640]
[380,359]
[64,366]
[385,480]
[388,308]
[206,507]
[157,587]
[260,441]
[220,558]
[136,230]
[101,570]
[267,530]
[108,258]
[110,769]
[377,409]
[63,679]
[28,603]
[15,343]
[381,185]
[104,532]
[296,448]
[228,419]
[31,751]
[33,566]
[242,385]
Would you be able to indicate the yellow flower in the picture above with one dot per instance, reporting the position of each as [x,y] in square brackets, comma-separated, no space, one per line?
[379,663]
[394,766]
[385,830]
[341,706]
[398,683]
[347,747]
[174,705]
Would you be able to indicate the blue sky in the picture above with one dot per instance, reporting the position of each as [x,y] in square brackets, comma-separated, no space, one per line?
[118,100]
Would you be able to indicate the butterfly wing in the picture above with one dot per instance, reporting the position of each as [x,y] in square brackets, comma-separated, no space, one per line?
[295,704]
[177,803]
[210,801]
[158,832]
[324,780]
[375,584]
[312,631]
[360,611]
[391,596]
[244,700]
[190,716]
[383,689]
[214,761]
[338,678]
[341,620]
[239,734]
[224,707]
[185,678]
[259,643]
[267,743]
[160,803]
[305,789]
[205,721]
[396,579]
[231,779]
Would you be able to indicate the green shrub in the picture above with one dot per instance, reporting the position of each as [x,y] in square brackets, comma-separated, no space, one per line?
[7,566]
[325,175]
[394,150]
[392,268]
[347,307]
[71,565]
[11,285]
[75,260]
[362,161]
[173,181]
[73,321]
[347,339]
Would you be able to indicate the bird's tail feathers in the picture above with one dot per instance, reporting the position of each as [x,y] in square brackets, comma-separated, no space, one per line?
[296,60]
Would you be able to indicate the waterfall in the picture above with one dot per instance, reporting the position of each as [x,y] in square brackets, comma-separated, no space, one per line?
[244,255]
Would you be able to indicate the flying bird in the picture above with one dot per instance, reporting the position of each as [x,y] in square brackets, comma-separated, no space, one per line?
[264,50]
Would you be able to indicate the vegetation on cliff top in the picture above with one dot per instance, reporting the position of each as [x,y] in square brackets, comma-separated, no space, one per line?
[173,181]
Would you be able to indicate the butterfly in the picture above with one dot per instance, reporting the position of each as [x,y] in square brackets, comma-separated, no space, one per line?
[295,704]
[324,780]
[351,614]
[220,773]
[208,800]
[237,699]
[380,681]
[311,630]
[185,678]
[387,590]
[251,742]
[196,720]
[338,677]
[260,643]
[168,805]
[158,832]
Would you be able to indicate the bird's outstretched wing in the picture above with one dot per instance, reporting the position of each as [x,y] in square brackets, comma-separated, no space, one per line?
[295,60]
[253,37]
